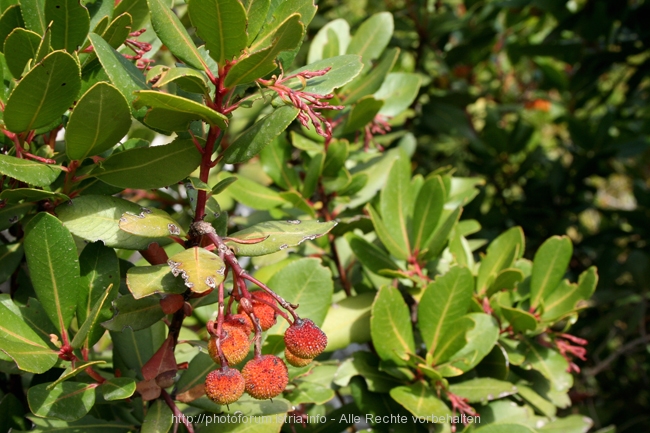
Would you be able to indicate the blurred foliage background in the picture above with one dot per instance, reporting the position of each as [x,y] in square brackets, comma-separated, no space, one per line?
[546,100]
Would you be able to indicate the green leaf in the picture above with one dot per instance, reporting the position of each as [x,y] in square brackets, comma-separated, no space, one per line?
[348,321]
[277,235]
[452,341]
[22,344]
[520,320]
[132,349]
[117,31]
[172,33]
[87,424]
[28,171]
[426,213]
[54,269]
[151,223]
[201,269]
[440,236]
[34,15]
[501,254]
[134,313]
[23,46]
[541,404]
[124,75]
[159,418]
[421,401]
[251,193]
[96,218]
[187,79]
[483,389]
[370,255]
[10,257]
[550,363]
[256,11]
[362,113]
[9,215]
[565,298]
[222,25]
[150,167]
[398,92]
[118,388]
[148,280]
[372,37]
[258,64]
[257,137]
[569,424]
[81,338]
[194,376]
[44,94]
[312,175]
[390,326]
[308,283]
[370,83]
[222,185]
[70,23]
[279,12]
[70,372]
[175,113]
[308,392]
[387,238]
[343,69]
[99,120]
[442,303]
[505,428]
[30,195]
[322,44]
[138,9]
[506,279]
[549,266]
[68,401]
[10,19]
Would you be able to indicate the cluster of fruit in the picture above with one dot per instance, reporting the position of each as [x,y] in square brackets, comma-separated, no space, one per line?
[265,376]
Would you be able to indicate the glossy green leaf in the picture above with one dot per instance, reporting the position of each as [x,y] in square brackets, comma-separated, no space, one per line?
[483,389]
[312,175]
[308,283]
[34,15]
[92,319]
[550,363]
[172,33]
[420,400]
[251,193]
[222,25]
[308,392]
[100,119]
[362,113]
[10,257]
[390,326]
[319,48]
[258,64]
[505,428]
[134,313]
[44,94]
[11,18]
[159,418]
[68,401]
[118,388]
[370,255]
[148,280]
[54,269]
[549,266]
[506,279]
[387,238]
[372,37]
[278,14]
[150,167]
[566,296]
[132,349]
[118,30]
[520,320]
[175,113]
[194,376]
[28,171]
[70,23]
[124,75]
[22,344]
[30,195]
[151,223]
[398,92]
[426,212]
[348,321]
[23,46]
[501,254]
[138,9]
[542,405]
[335,157]
[71,372]
[367,365]
[453,340]
[201,269]
[87,424]
[277,235]
[442,303]
[256,11]
[569,424]
[343,69]
[187,79]
[440,236]
[96,218]
[100,11]
[370,83]
[9,215]
[396,202]
[264,131]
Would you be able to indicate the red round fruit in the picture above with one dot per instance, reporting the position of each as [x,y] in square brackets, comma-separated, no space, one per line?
[294,360]
[263,311]
[241,321]
[224,386]
[266,377]
[304,339]
[234,345]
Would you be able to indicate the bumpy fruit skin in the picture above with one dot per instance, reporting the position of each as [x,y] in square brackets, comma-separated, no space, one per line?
[264,312]
[224,386]
[304,339]
[241,321]
[265,377]
[234,345]
[294,360]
